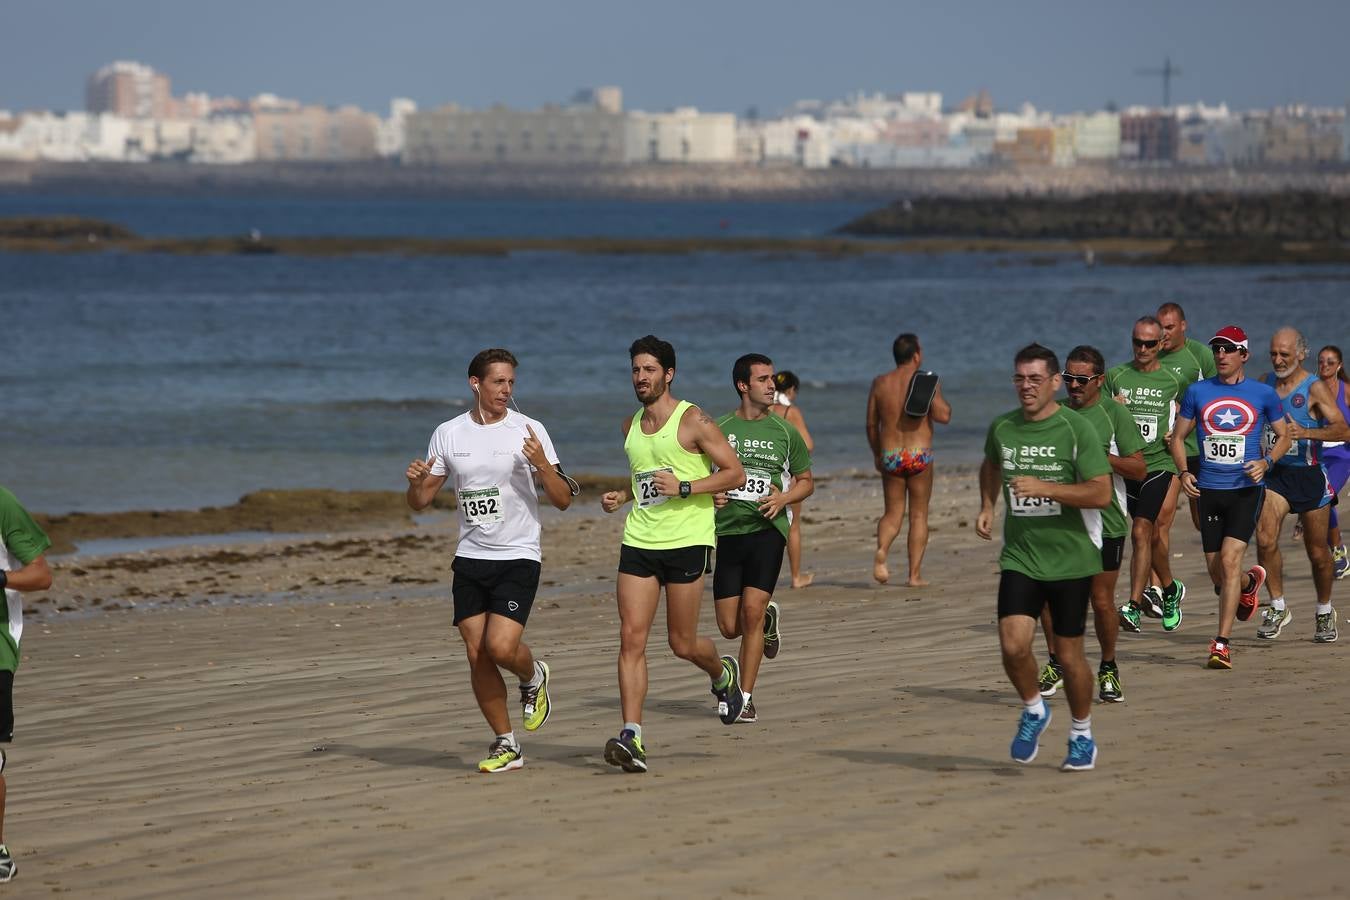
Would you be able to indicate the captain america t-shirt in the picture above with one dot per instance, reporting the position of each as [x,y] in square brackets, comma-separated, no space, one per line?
[1229,421]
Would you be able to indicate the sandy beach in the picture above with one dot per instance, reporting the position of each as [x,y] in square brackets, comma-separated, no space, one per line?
[292,718]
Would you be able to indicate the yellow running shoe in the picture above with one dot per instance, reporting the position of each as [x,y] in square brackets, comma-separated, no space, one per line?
[534,701]
[502,757]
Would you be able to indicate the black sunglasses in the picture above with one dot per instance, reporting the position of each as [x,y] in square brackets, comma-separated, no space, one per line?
[1148,345]
[1077,379]
[1225,348]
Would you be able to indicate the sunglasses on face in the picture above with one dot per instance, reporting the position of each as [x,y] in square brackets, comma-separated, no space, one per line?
[1147,345]
[1224,349]
[1077,379]
[1031,380]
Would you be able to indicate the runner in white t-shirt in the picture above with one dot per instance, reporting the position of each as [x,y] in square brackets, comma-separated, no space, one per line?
[496,457]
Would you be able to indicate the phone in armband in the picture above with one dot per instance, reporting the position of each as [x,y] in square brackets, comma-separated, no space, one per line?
[919,398]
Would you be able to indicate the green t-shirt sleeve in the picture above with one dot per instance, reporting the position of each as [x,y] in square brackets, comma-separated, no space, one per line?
[21,534]
[1205,357]
[1128,439]
[992,451]
[799,458]
[1090,460]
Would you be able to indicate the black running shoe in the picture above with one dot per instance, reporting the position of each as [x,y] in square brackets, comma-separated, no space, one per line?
[626,752]
[772,640]
[729,699]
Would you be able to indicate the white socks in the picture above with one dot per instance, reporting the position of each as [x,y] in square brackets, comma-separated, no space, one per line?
[1036,707]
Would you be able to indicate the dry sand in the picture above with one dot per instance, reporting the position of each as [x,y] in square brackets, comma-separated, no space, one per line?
[318,738]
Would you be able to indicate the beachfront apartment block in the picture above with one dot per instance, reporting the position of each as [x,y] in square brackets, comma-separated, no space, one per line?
[683,135]
[130,90]
[315,134]
[554,135]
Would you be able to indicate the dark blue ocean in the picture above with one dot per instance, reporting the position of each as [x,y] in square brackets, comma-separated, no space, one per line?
[142,381]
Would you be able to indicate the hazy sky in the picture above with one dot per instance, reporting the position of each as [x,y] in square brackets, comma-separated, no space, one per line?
[724,55]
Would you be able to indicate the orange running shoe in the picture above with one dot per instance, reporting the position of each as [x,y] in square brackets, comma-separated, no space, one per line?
[1247,603]
[1218,656]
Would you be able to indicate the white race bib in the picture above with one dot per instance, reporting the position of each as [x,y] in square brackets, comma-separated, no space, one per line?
[1225,449]
[1271,438]
[647,492]
[1148,427]
[1032,506]
[758,485]
[482,507]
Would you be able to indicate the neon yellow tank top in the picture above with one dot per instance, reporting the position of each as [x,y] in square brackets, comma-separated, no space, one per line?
[657,522]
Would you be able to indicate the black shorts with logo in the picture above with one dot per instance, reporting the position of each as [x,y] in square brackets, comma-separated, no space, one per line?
[1229,514]
[504,587]
[681,565]
[1304,487]
[1144,499]
[748,560]
[1021,595]
[1113,551]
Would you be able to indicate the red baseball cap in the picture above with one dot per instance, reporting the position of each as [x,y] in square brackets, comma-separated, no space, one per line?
[1230,334]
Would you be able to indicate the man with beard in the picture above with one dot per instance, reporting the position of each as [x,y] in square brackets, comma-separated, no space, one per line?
[672,447]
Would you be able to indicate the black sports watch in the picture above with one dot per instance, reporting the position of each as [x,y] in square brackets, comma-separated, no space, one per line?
[685,490]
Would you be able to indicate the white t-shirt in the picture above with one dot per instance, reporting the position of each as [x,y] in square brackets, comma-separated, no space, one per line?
[498,505]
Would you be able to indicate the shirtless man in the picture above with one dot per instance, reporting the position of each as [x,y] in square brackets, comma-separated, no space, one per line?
[902,450]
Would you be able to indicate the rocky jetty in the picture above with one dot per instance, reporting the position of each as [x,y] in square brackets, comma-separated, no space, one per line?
[1211,216]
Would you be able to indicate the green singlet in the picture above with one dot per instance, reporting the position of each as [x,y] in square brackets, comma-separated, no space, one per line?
[772,451]
[1191,362]
[1151,399]
[21,541]
[655,521]
[1120,437]
[1043,539]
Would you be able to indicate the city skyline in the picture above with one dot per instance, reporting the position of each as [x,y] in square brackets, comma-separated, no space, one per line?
[1055,55]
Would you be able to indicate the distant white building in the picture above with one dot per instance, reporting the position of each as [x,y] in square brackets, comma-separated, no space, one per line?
[799,140]
[65,137]
[1096,137]
[683,135]
[391,135]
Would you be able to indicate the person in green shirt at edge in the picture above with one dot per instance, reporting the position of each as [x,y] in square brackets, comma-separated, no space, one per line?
[1191,361]
[1084,373]
[753,519]
[672,446]
[1048,464]
[1151,393]
[23,568]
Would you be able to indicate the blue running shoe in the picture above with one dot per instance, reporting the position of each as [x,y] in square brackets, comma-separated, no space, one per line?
[1028,740]
[1082,755]
[729,699]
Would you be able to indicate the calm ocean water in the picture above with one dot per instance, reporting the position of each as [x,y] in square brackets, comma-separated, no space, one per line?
[144,381]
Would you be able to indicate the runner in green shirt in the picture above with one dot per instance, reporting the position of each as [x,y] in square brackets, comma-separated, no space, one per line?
[23,568]
[1190,361]
[753,519]
[1151,393]
[1048,464]
[1084,372]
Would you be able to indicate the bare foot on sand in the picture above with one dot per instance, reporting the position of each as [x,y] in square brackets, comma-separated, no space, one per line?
[916,581]
[879,570]
[802,581]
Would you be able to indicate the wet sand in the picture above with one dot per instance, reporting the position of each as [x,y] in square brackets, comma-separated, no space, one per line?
[308,731]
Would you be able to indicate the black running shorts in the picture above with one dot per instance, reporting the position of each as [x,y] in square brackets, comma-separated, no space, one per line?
[1305,488]
[6,707]
[1229,514]
[1113,551]
[1193,465]
[682,565]
[504,587]
[1144,499]
[1022,595]
[748,560]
